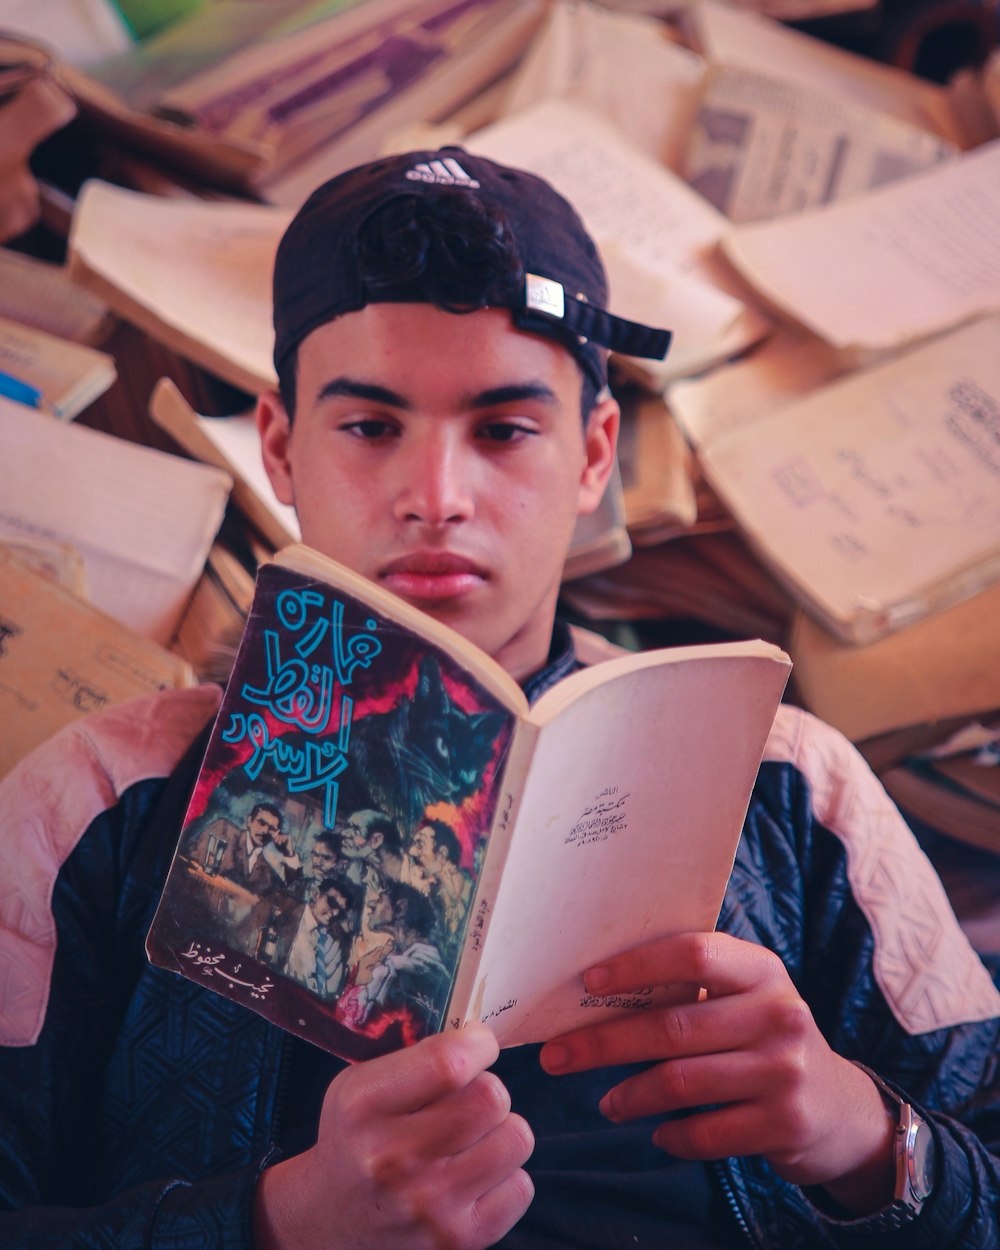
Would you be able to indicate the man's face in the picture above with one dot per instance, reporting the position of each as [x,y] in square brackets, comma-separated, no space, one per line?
[263,827]
[353,840]
[329,906]
[442,456]
[380,915]
[323,860]
[423,847]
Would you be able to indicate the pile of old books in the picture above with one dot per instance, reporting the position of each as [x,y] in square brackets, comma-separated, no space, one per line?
[816,462]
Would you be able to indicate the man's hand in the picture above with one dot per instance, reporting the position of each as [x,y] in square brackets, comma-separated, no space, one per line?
[416,1149]
[749,1049]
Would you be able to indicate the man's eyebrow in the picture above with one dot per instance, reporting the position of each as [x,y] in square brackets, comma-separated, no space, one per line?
[350,388]
[515,393]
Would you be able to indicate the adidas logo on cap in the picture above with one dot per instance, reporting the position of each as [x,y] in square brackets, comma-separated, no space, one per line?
[447,173]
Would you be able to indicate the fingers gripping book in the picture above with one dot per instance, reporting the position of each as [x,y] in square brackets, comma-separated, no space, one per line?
[384,841]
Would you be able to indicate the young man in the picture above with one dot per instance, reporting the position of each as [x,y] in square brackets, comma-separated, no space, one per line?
[442,420]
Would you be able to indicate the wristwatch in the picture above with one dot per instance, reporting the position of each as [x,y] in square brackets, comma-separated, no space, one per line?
[915,1159]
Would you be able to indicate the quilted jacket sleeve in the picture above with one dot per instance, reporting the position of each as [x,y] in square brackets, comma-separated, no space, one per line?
[71,848]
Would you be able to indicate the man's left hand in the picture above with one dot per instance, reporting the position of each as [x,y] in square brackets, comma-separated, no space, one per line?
[748,1051]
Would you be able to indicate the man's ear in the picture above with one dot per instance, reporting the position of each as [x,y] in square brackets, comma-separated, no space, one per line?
[600,445]
[275,431]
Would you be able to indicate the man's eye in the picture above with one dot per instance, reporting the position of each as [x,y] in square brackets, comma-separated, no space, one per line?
[369,428]
[505,431]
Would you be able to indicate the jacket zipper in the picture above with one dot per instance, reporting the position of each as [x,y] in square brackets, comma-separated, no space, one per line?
[734,1206]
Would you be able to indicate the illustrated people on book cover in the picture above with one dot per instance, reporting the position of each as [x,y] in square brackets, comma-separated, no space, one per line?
[322,931]
[442,328]
[409,973]
[437,852]
[257,855]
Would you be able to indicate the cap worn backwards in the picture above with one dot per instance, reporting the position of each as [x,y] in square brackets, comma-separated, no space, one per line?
[561,291]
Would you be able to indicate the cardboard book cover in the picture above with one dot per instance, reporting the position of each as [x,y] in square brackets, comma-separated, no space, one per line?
[333,842]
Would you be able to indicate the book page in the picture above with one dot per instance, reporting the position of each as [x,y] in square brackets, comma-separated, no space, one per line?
[77,31]
[43,295]
[788,365]
[888,267]
[653,230]
[626,829]
[142,519]
[614,63]
[60,659]
[761,147]
[875,498]
[196,275]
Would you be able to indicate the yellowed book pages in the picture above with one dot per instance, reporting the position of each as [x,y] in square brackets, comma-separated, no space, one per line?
[193,275]
[233,445]
[67,376]
[656,471]
[885,268]
[761,147]
[40,294]
[875,499]
[61,658]
[943,667]
[785,367]
[143,520]
[614,63]
[59,561]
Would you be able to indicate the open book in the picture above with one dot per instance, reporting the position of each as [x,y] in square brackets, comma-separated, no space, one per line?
[483,854]
[874,499]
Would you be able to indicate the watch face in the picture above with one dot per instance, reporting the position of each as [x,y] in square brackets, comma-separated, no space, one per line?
[920,1159]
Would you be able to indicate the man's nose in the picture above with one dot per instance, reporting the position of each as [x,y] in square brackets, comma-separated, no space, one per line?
[437,482]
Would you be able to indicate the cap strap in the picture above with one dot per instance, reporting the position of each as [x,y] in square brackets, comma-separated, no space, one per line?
[547,300]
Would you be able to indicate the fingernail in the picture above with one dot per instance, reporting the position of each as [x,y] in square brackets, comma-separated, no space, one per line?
[596,979]
[554,1058]
[607,1106]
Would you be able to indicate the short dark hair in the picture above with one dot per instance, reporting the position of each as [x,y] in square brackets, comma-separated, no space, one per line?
[410,908]
[267,807]
[372,821]
[452,250]
[352,892]
[445,839]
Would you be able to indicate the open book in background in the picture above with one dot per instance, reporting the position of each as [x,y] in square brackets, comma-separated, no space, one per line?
[889,267]
[143,520]
[344,701]
[61,658]
[195,275]
[60,377]
[875,498]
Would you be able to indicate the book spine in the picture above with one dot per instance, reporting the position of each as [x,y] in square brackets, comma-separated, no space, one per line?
[467,989]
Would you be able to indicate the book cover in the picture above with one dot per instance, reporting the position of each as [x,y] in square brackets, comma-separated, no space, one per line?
[336,721]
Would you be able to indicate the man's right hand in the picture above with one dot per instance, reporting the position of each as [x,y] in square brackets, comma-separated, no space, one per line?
[416,1149]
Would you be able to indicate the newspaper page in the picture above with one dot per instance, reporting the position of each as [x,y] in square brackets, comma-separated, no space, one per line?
[761,147]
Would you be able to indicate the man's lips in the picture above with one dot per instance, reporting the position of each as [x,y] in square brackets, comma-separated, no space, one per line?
[432,575]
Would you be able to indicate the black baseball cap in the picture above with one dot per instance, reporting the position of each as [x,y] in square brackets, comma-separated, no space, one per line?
[564,292]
